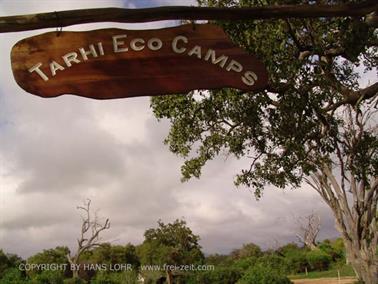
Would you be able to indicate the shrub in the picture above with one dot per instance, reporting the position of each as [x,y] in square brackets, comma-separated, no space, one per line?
[247,250]
[273,261]
[244,263]
[223,275]
[13,276]
[261,274]
[48,277]
[74,281]
[218,260]
[126,277]
[333,248]
[296,261]
[318,260]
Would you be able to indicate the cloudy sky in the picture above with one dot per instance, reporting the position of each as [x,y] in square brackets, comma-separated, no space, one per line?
[55,153]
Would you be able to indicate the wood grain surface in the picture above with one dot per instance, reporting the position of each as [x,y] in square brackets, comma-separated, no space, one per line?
[115,63]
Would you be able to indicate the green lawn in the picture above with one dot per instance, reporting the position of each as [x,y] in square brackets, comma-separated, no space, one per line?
[345,270]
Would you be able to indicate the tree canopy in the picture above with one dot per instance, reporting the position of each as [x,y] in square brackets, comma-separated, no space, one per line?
[170,244]
[286,129]
[315,122]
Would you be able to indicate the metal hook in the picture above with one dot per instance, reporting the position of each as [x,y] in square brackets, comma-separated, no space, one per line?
[59,27]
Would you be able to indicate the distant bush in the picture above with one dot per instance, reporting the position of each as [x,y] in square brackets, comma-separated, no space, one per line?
[13,276]
[318,260]
[48,256]
[244,263]
[74,281]
[218,259]
[247,250]
[48,277]
[152,277]
[261,274]
[296,261]
[223,275]
[126,277]
[333,248]
[288,249]
[273,261]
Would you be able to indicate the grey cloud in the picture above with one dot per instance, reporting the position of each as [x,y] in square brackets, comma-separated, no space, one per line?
[54,153]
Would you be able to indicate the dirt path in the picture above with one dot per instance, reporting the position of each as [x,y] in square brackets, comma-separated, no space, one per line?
[343,280]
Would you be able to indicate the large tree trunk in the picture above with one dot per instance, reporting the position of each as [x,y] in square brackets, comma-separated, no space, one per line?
[362,261]
[75,274]
[356,219]
[74,261]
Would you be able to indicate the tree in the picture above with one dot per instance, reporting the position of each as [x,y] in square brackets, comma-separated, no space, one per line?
[318,260]
[334,248]
[313,123]
[56,256]
[247,250]
[14,276]
[4,262]
[309,228]
[89,236]
[295,257]
[114,254]
[261,274]
[9,266]
[170,244]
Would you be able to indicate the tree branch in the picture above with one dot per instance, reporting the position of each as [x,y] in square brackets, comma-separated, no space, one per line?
[90,231]
[354,97]
[82,16]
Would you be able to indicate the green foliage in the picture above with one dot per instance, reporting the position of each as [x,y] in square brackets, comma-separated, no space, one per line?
[112,255]
[313,117]
[13,276]
[248,250]
[9,269]
[48,277]
[318,260]
[294,256]
[218,260]
[172,243]
[296,261]
[285,129]
[335,249]
[56,255]
[151,277]
[244,264]
[288,248]
[4,263]
[125,277]
[221,275]
[275,262]
[261,274]
[343,269]
[74,281]
[49,256]
[8,261]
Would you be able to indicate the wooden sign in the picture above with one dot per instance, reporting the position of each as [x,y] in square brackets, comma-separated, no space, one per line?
[115,63]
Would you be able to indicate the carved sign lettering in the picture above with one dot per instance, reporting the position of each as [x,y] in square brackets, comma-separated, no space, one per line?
[115,63]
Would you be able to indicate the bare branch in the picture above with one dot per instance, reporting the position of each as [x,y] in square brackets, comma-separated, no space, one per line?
[309,230]
[75,17]
[354,97]
[89,235]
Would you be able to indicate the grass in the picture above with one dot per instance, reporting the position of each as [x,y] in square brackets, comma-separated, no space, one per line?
[345,270]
